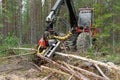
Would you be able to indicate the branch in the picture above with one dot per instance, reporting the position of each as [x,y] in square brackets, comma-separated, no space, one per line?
[101,72]
[62,67]
[36,66]
[55,70]
[74,71]
[17,55]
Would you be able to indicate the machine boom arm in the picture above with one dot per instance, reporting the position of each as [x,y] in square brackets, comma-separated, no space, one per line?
[72,13]
[56,8]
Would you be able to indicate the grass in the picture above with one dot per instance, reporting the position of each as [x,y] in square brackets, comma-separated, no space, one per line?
[115,58]
[5,52]
[107,57]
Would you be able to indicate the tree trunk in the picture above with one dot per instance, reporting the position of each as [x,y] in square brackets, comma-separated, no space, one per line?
[38,7]
[4,19]
[19,22]
[32,21]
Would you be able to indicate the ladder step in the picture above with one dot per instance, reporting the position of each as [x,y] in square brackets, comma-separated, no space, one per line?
[51,50]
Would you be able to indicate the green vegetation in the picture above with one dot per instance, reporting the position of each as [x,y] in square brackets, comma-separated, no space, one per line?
[23,23]
[10,41]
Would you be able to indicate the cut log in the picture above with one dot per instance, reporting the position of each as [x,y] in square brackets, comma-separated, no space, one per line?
[116,68]
[85,72]
[62,68]
[17,55]
[101,72]
[55,70]
[28,49]
[74,70]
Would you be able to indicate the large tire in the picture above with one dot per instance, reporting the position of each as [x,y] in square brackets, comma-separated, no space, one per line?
[83,42]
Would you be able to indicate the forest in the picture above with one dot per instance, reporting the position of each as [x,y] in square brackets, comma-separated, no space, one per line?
[23,23]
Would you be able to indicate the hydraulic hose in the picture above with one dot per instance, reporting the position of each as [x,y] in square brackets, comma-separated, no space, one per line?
[61,38]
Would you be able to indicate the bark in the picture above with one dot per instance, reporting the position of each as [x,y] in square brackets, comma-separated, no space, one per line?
[4,19]
[39,29]
[32,21]
[19,22]
[14,16]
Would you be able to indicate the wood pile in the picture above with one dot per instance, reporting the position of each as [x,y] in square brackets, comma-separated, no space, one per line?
[91,70]
[79,73]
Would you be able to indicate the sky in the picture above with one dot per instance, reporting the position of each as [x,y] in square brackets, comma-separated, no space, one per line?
[43,2]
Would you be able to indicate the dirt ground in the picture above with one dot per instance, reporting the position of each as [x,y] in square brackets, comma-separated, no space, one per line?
[21,68]
[30,74]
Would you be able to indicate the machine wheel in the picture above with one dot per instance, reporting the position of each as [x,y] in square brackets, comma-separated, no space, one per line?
[83,42]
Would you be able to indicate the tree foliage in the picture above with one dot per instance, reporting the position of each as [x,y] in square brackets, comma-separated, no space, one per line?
[28,24]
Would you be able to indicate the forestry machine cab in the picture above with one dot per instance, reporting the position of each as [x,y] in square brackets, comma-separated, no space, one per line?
[78,24]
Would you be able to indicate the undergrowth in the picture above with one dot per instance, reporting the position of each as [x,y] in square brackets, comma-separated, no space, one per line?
[104,54]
